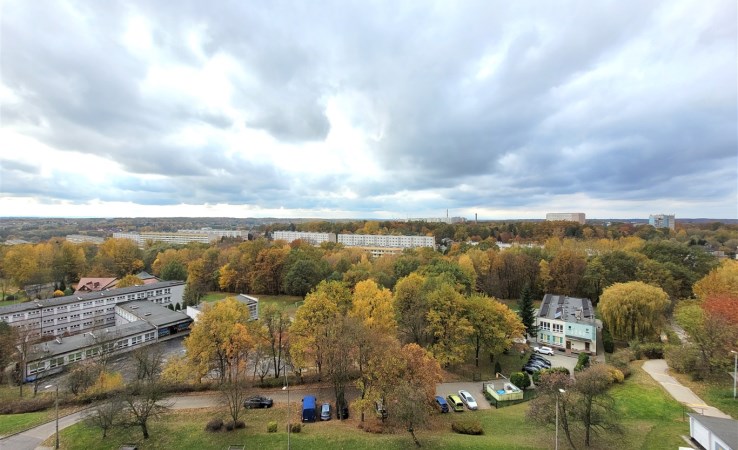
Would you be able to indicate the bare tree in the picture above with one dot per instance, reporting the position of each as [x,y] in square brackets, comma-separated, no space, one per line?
[233,394]
[149,361]
[106,415]
[409,408]
[145,401]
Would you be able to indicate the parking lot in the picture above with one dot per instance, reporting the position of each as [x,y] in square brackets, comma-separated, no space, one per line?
[562,360]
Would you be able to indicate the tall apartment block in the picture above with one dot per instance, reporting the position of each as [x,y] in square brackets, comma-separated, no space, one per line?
[204,236]
[662,221]
[313,238]
[570,217]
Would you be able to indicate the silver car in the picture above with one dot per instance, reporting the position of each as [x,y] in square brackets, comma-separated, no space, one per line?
[468,400]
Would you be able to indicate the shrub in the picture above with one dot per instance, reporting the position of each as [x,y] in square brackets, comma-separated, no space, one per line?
[296,427]
[23,405]
[520,380]
[229,426]
[473,427]
[537,376]
[672,338]
[272,427]
[10,297]
[498,367]
[682,358]
[616,374]
[558,370]
[214,425]
[582,362]
[240,424]
[607,341]
[648,350]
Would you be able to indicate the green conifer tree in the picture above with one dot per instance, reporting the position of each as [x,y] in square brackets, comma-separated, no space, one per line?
[527,312]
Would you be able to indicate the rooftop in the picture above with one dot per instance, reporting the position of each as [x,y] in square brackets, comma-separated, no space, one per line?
[63,345]
[568,309]
[725,429]
[152,313]
[50,302]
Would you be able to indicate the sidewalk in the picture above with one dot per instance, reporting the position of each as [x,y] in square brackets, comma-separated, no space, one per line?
[658,369]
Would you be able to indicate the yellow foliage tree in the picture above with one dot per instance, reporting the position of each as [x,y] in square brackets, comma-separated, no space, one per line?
[723,280]
[373,306]
[633,310]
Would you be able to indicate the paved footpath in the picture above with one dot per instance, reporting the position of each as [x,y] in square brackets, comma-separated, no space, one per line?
[658,369]
[31,439]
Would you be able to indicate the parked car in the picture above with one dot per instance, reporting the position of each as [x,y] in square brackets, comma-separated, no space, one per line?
[308,408]
[456,403]
[379,409]
[540,361]
[533,366]
[325,412]
[441,404]
[467,398]
[342,412]
[543,350]
[258,401]
[531,369]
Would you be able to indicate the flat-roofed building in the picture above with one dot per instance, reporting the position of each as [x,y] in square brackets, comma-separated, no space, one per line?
[569,217]
[135,324]
[307,236]
[83,239]
[251,302]
[567,324]
[77,313]
[386,240]
[662,221]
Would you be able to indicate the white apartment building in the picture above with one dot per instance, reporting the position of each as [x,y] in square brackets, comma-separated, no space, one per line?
[313,238]
[569,217]
[386,240]
[218,233]
[82,238]
[567,324]
[173,238]
[81,312]
[662,221]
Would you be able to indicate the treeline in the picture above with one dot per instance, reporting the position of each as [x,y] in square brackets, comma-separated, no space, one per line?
[569,266]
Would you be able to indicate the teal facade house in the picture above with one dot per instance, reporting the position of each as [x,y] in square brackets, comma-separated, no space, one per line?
[567,324]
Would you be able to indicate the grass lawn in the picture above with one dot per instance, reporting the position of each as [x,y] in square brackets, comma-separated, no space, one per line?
[650,419]
[717,391]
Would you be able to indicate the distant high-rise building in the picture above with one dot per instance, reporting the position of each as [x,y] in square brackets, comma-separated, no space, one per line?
[570,217]
[205,236]
[662,221]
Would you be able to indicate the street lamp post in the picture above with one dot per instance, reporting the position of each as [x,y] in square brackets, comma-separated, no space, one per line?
[561,391]
[56,406]
[287,388]
[735,369]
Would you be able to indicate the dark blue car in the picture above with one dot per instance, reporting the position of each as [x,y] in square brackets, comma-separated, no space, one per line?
[442,404]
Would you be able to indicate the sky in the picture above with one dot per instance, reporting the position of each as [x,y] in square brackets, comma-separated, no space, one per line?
[369,109]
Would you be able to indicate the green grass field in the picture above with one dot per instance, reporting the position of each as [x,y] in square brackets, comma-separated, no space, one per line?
[717,391]
[650,419]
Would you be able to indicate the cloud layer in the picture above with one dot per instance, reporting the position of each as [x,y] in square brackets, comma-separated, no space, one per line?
[369,109]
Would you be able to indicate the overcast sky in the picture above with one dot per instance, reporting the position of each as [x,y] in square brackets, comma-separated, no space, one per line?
[363,109]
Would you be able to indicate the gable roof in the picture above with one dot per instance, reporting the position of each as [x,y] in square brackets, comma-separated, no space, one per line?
[95,284]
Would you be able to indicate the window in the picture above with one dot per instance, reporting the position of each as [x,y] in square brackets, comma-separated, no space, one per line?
[75,357]
[136,340]
[122,343]
[131,296]
[149,336]
[88,313]
[87,324]
[56,362]
[36,367]
[558,328]
[74,316]
[92,352]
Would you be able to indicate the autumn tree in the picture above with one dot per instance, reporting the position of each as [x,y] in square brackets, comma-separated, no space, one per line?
[543,408]
[8,339]
[411,308]
[633,310]
[448,326]
[713,335]
[723,281]
[275,324]
[128,281]
[373,306]
[118,257]
[220,340]
[493,324]
[566,271]
[595,408]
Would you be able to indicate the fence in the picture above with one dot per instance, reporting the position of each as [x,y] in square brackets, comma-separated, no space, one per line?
[527,396]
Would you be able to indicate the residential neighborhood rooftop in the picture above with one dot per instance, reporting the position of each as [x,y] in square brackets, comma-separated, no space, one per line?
[569,309]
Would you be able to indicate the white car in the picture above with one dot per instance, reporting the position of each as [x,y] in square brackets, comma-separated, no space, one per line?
[543,350]
[467,398]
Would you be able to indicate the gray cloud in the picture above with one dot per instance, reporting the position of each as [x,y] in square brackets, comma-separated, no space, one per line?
[522,102]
